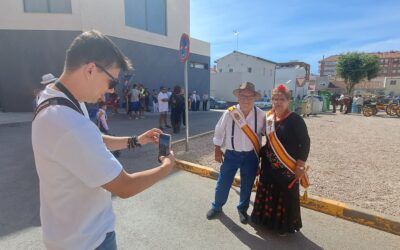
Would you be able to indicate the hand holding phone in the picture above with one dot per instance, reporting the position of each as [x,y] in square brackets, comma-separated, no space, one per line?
[164,146]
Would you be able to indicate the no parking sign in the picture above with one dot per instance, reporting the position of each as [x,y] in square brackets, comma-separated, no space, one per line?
[184,45]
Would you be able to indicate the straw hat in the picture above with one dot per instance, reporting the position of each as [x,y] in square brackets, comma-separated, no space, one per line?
[48,78]
[247,86]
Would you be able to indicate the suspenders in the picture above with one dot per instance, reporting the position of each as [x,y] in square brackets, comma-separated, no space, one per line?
[233,128]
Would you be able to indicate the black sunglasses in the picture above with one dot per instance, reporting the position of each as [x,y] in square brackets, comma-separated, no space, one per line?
[113,81]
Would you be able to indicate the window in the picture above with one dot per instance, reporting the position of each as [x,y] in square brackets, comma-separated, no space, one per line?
[249,69]
[196,65]
[393,82]
[230,70]
[147,15]
[48,6]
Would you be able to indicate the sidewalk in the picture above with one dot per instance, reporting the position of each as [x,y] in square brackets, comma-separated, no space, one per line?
[13,118]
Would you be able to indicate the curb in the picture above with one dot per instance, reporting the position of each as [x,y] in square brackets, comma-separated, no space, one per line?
[15,124]
[341,210]
[192,137]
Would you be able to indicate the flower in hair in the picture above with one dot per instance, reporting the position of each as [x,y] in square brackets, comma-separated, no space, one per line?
[281,88]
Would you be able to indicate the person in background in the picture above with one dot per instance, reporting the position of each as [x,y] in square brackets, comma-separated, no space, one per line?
[177,104]
[142,100]
[184,108]
[283,158]
[113,102]
[163,107]
[205,101]
[154,97]
[169,93]
[360,103]
[197,102]
[194,100]
[147,99]
[126,93]
[46,79]
[134,103]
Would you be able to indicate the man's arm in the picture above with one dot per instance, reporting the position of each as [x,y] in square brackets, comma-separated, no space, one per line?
[121,142]
[219,135]
[127,185]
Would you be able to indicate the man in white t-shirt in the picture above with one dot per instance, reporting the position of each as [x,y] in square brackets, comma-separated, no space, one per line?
[163,99]
[77,172]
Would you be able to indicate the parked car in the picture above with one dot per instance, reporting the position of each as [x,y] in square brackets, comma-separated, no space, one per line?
[263,103]
[216,103]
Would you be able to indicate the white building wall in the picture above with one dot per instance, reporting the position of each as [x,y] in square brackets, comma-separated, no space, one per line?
[395,89]
[283,75]
[106,16]
[222,83]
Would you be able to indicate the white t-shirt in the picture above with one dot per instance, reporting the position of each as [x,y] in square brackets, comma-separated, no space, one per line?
[162,105]
[72,163]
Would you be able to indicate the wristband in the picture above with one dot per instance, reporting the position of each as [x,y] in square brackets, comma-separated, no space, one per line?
[133,142]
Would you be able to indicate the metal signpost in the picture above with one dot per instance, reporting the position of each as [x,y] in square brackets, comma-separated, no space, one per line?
[184,56]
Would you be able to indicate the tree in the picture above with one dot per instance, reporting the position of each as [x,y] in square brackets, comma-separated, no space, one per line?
[354,67]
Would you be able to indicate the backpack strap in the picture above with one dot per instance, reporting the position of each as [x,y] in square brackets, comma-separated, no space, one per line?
[56,101]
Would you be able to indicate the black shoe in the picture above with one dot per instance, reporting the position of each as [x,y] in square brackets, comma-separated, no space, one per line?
[243,217]
[161,128]
[212,213]
[167,126]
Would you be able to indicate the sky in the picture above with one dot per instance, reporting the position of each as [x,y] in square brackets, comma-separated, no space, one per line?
[289,30]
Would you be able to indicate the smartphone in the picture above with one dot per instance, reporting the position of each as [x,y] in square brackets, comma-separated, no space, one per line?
[164,146]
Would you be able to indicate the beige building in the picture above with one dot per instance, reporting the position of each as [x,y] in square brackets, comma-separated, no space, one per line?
[389,64]
[392,86]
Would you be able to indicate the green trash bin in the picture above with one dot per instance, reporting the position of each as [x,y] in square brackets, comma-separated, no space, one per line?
[326,100]
[295,106]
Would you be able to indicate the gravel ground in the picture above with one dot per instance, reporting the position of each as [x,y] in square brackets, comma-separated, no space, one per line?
[353,159]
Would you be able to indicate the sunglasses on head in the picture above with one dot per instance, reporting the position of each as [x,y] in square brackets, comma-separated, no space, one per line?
[113,81]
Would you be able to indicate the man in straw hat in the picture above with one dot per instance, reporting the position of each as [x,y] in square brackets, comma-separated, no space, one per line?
[48,78]
[239,129]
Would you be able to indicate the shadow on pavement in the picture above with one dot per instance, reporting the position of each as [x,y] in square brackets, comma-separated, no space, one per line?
[19,184]
[266,239]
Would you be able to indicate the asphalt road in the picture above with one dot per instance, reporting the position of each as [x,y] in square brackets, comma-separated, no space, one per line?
[171,214]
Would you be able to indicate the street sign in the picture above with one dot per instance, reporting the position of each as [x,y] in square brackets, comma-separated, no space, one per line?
[184,45]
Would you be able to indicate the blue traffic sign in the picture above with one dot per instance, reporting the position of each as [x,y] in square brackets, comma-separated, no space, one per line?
[184,45]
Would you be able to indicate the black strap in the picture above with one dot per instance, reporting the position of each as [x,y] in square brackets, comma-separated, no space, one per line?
[255,119]
[56,101]
[63,89]
[233,134]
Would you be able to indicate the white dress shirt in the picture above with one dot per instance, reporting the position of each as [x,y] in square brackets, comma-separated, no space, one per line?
[223,131]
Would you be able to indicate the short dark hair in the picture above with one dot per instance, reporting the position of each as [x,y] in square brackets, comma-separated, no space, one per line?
[93,46]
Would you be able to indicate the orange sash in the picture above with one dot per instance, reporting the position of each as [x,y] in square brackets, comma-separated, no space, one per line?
[239,119]
[280,151]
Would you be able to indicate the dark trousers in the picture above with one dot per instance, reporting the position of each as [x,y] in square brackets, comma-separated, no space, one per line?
[205,105]
[193,106]
[176,115]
